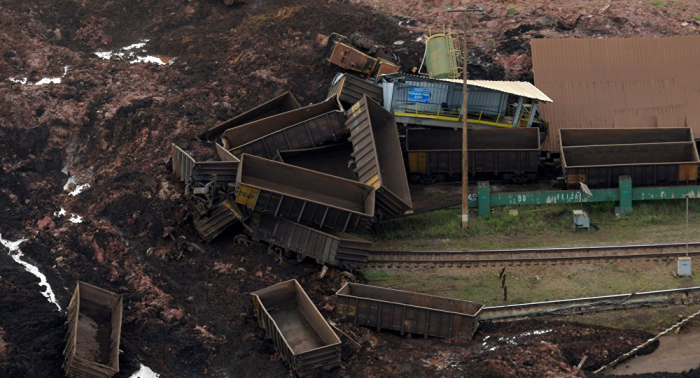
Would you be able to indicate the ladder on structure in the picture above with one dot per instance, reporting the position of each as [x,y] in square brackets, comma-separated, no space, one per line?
[454,53]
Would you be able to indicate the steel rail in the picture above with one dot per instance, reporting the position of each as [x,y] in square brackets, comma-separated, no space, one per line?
[565,307]
[532,255]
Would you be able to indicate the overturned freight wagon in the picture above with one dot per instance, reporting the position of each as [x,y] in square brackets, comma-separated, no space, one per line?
[306,127]
[436,154]
[280,104]
[189,170]
[378,156]
[300,334]
[94,332]
[303,196]
[651,158]
[350,89]
[407,312]
[325,246]
[214,221]
[339,52]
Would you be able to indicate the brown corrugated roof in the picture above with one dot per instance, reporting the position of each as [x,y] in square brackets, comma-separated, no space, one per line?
[618,83]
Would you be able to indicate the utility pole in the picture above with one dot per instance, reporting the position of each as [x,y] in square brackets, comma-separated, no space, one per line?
[465,156]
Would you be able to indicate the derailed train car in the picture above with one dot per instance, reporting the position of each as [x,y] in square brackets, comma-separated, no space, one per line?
[434,155]
[378,157]
[407,312]
[306,127]
[325,246]
[280,104]
[94,332]
[651,157]
[298,330]
[303,196]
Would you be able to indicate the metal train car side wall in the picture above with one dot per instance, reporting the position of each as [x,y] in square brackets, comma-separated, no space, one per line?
[280,104]
[308,134]
[378,156]
[407,312]
[304,196]
[433,152]
[350,89]
[290,295]
[334,248]
[252,131]
[629,152]
[83,368]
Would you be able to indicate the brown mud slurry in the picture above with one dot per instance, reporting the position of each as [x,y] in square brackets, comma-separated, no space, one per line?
[111,123]
[94,333]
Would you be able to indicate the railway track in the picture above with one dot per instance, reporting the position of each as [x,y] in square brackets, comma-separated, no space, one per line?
[567,307]
[534,256]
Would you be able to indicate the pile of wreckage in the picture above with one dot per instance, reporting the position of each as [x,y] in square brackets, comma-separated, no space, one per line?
[302,178]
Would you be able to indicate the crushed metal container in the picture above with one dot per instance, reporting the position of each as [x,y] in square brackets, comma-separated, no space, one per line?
[280,104]
[183,163]
[433,153]
[350,58]
[378,156]
[94,332]
[630,152]
[407,312]
[334,159]
[306,127]
[350,89]
[217,220]
[299,332]
[325,246]
[303,196]
[224,171]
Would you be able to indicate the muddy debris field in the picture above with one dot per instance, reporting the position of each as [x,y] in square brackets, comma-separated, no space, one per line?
[93,93]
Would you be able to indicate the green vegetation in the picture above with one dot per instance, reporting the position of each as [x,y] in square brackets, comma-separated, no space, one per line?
[512,12]
[697,17]
[658,3]
[490,41]
[536,283]
[545,225]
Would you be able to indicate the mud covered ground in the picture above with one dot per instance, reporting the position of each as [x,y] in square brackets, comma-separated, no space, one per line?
[109,124]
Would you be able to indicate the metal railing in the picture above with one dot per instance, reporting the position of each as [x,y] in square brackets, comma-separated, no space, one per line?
[438,111]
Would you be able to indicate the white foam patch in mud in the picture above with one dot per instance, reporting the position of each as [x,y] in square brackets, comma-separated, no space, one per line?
[131,53]
[145,372]
[46,80]
[16,255]
[75,218]
[59,213]
[79,188]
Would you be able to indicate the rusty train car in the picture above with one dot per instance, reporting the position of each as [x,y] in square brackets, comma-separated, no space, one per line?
[378,157]
[407,312]
[434,155]
[324,246]
[651,157]
[94,333]
[303,196]
[306,127]
[299,332]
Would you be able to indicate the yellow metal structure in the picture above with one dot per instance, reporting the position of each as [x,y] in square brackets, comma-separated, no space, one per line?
[247,196]
[418,162]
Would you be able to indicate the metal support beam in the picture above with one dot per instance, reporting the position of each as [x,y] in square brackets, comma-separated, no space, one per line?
[623,195]
[484,199]
[516,117]
[532,114]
